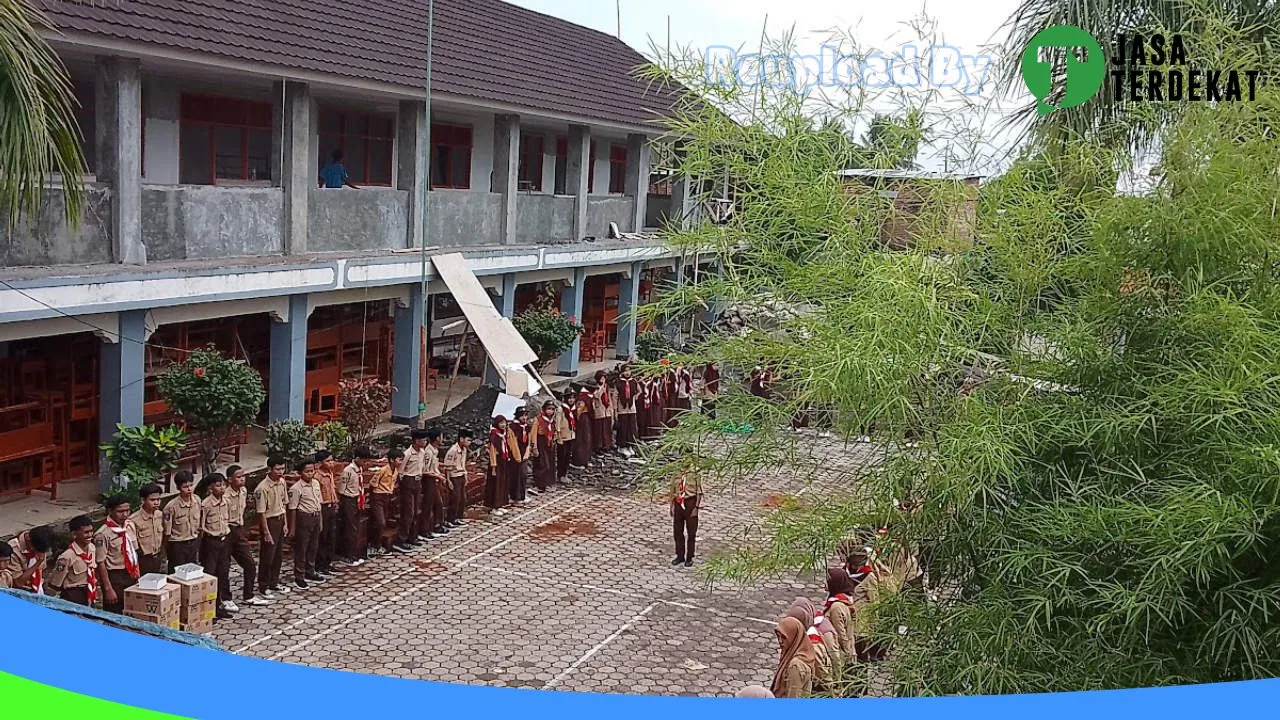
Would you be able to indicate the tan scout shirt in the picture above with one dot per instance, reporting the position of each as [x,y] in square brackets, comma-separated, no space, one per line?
[598,409]
[384,481]
[272,496]
[692,486]
[305,496]
[16,564]
[72,570]
[182,519]
[150,529]
[237,503]
[455,462]
[217,516]
[431,462]
[327,494]
[564,431]
[414,459]
[349,483]
[108,546]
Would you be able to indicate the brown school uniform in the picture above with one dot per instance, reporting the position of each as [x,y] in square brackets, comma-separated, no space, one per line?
[543,446]
[305,502]
[350,505]
[455,469]
[74,575]
[382,493]
[182,531]
[602,412]
[150,530]
[518,470]
[584,445]
[627,424]
[270,501]
[686,494]
[565,436]
[109,552]
[215,545]
[501,452]
[16,565]
[431,512]
[409,487]
[237,541]
[329,510]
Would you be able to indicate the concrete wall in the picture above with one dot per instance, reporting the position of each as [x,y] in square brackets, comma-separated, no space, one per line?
[191,222]
[543,219]
[365,219]
[603,210]
[162,108]
[462,218]
[47,239]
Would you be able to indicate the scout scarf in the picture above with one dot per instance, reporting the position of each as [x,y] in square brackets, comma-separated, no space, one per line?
[604,395]
[521,430]
[360,499]
[838,597]
[498,440]
[627,392]
[92,586]
[682,487]
[127,549]
[37,578]
[571,417]
[549,424]
[684,382]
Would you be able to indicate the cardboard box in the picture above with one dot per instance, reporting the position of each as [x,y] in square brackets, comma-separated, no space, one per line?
[201,589]
[161,603]
[169,622]
[198,612]
[200,627]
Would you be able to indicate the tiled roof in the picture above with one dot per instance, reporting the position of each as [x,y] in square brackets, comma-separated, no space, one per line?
[484,49]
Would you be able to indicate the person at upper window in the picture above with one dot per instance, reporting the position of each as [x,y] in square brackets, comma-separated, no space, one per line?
[334,174]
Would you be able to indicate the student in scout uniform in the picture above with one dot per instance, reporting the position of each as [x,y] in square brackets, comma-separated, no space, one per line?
[518,482]
[115,546]
[182,523]
[306,522]
[148,524]
[75,575]
[710,388]
[237,496]
[6,572]
[382,494]
[435,488]
[409,488]
[455,469]
[351,502]
[542,448]
[499,468]
[329,511]
[602,412]
[566,434]
[628,428]
[29,554]
[215,533]
[270,502]
[584,445]
[686,496]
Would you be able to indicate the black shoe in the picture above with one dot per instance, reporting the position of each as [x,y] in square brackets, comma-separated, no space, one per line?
[222,615]
[677,561]
[688,563]
[401,547]
[442,530]
[316,578]
[301,584]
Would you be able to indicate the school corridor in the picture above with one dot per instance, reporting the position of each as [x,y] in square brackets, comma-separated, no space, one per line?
[573,592]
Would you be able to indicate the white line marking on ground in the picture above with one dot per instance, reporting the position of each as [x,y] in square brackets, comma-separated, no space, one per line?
[599,646]
[420,586]
[364,592]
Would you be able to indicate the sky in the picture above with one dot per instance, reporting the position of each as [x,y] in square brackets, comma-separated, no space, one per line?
[964,32]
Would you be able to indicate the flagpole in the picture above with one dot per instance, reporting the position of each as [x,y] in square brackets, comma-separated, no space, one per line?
[424,197]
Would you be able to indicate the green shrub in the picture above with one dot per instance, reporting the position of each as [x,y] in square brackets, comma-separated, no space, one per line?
[290,439]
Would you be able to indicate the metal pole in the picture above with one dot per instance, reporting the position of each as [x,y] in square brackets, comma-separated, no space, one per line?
[425,193]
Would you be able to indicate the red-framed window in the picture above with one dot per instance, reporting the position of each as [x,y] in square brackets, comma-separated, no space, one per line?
[618,169]
[450,156]
[562,166]
[530,175]
[367,142]
[224,139]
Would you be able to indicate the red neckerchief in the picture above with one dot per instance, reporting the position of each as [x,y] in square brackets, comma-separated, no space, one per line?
[838,597]
[681,488]
[92,583]
[549,423]
[626,393]
[497,438]
[572,417]
[37,578]
[521,429]
[127,549]
[360,499]
[604,394]
[684,380]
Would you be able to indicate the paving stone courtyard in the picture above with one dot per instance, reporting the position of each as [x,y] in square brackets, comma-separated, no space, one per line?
[575,592]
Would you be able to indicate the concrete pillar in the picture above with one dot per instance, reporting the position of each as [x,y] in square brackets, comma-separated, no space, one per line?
[628,301]
[287,389]
[638,177]
[413,167]
[578,176]
[571,305]
[298,174]
[506,304]
[406,374]
[121,381]
[506,172]
[118,134]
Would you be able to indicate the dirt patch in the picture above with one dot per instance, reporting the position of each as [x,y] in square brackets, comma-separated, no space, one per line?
[429,566]
[775,501]
[569,526]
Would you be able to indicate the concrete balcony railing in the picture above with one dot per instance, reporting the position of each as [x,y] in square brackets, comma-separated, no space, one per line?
[464,218]
[204,222]
[46,238]
[606,209]
[364,219]
[544,219]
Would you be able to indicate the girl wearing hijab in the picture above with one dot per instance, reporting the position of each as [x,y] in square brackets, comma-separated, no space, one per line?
[642,409]
[797,660]
[602,411]
[566,434]
[498,475]
[839,607]
[710,388]
[627,428]
[543,447]
[519,470]
[820,632]
[583,444]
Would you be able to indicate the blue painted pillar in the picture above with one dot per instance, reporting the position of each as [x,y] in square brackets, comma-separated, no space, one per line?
[122,382]
[506,304]
[287,387]
[628,301]
[571,304]
[406,374]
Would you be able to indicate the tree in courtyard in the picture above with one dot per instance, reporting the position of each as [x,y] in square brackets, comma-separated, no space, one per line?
[361,404]
[39,134]
[215,396]
[548,331]
[1090,396]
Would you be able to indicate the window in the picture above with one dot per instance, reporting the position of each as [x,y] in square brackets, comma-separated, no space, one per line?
[562,166]
[530,176]
[450,156]
[224,139]
[367,143]
[618,169]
